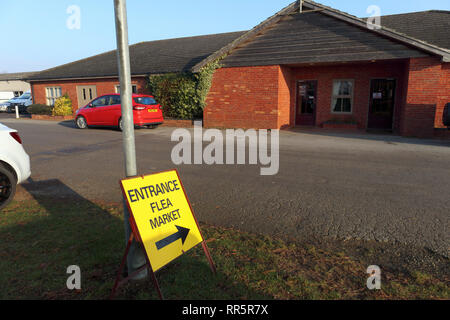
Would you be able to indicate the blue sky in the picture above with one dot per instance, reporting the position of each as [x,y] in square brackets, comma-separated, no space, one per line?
[34,35]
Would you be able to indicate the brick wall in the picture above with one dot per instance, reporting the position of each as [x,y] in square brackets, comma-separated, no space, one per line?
[362,74]
[104,86]
[444,95]
[178,123]
[286,97]
[264,97]
[244,98]
[427,90]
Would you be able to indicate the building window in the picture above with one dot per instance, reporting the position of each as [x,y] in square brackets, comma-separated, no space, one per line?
[133,88]
[89,95]
[52,93]
[342,100]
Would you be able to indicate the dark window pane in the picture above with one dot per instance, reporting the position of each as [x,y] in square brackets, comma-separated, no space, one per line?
[100,102]
[145,100]
[337,105]
[309,105]
[116,100]
[345,88]
[346,105]
[109,100]
[133,89]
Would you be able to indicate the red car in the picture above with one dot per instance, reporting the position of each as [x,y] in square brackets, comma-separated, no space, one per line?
[106,111]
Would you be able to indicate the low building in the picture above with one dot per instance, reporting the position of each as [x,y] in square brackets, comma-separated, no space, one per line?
[86,79]
[13,85]
[308,65]
[322,67]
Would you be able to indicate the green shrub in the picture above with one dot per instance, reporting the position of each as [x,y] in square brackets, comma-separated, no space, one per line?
[41,109]
[183,95]
[63,106]
[177,95]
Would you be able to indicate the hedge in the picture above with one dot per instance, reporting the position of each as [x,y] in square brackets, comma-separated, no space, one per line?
[183,95]
[41,109]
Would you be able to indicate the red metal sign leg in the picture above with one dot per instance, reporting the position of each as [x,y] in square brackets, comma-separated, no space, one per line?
[122,264]
[208,256]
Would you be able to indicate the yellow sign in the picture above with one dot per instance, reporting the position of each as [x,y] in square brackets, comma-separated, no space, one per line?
[163,216]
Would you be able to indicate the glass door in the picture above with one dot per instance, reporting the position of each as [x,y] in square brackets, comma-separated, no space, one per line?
[382,102]
[306,103]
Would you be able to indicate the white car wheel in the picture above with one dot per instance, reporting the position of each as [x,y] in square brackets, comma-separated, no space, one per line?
[81,123]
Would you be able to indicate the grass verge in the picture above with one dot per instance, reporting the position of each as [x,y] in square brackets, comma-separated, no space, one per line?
[41,237]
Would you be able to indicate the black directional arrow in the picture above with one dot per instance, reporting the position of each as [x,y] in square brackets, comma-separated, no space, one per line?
[180,234]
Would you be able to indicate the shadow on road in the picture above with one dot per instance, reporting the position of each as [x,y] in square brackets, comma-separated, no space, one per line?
[71,124]
[68,124]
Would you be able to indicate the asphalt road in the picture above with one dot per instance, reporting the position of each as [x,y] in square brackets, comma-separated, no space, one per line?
[345,186]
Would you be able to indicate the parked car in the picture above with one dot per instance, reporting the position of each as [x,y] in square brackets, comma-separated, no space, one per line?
[14,164]
[22,102]
[106,111]
[4,106]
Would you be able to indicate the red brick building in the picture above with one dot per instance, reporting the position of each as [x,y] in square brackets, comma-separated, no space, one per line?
[86,79]
[321,67]
[308,66]
[81,91]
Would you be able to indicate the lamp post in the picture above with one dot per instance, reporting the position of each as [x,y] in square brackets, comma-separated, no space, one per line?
[136,257]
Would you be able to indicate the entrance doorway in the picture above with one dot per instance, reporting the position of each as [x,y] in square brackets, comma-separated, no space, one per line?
[306,103]
[382,102]
[85,95]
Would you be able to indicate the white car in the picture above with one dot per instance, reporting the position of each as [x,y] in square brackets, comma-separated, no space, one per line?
[22,102]
[14,164]
[4,107]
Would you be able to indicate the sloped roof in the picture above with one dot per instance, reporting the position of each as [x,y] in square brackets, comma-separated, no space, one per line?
[326,40]
[15,76]
[308,5]
[404,35]
[153,57]
[431,26]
